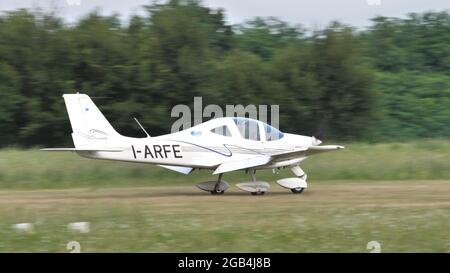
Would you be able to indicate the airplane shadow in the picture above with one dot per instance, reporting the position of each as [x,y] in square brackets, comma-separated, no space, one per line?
[205,194]
[180,193]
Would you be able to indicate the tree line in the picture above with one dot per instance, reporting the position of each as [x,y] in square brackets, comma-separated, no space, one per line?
[389,81]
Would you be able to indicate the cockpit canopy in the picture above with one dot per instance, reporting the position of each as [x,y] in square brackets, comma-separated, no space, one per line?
[247,128]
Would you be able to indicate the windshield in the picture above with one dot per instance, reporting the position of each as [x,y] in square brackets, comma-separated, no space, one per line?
[272,133]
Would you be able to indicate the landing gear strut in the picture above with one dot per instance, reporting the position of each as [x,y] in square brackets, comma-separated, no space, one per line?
[252,173]
[217,189]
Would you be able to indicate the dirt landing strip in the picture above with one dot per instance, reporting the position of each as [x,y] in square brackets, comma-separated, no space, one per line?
[320,194]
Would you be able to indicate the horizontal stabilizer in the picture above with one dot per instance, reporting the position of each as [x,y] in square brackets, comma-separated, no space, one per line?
[81,150]
[183,170]
[242,164]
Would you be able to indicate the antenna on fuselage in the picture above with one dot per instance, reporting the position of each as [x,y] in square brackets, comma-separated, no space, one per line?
[141,127]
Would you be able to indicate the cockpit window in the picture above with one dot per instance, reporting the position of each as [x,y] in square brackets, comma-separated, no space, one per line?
[248,128]
[222,130]
[272,133]
[196,133]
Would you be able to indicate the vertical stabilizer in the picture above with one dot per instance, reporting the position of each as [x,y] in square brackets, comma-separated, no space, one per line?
[89,125]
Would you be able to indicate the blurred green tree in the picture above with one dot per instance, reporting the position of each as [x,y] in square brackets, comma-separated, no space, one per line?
[387,81]
[327,84]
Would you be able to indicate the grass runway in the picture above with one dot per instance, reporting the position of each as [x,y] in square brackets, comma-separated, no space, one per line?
[397,194]
[341,216]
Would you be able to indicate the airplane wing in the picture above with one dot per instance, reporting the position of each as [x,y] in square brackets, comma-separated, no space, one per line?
[242,164]
[183,170]
[263,160]
[81,150]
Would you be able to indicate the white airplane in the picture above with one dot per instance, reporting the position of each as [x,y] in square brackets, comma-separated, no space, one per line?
[223,145]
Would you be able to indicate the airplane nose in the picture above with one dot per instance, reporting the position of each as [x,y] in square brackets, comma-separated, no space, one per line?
[316,141]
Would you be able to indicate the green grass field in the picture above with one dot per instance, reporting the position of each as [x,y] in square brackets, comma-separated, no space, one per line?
[396,194]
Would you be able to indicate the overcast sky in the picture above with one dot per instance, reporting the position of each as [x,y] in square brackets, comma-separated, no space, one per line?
[309,13]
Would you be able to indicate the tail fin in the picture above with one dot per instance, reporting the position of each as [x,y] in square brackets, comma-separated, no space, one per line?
[89,125]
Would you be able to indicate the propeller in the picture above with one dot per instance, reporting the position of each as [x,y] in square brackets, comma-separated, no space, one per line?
[320,132]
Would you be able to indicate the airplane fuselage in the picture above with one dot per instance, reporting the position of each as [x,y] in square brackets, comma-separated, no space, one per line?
[222,144]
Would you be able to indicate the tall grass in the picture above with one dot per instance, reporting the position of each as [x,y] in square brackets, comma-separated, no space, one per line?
[33,169]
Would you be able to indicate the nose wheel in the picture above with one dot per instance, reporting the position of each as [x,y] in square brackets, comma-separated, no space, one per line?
[296,184]
[297,190]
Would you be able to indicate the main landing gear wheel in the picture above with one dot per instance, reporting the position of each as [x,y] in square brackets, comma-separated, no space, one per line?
[254,187]
[297,190]
[217,187]
[216,191]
